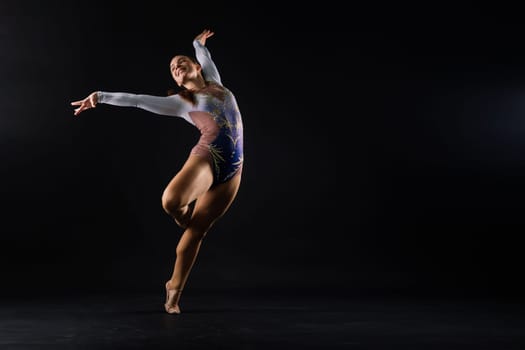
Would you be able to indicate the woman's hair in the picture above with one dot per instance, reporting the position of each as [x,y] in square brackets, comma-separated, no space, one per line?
[185,94]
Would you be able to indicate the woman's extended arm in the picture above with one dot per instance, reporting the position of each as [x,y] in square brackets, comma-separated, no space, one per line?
[209,70]
[173,105]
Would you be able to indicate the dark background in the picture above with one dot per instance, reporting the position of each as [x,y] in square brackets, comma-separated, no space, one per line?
[383,147]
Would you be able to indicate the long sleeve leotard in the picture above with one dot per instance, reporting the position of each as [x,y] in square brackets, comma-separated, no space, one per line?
[215,114]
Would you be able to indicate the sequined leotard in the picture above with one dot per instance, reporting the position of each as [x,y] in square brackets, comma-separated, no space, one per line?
[216,115]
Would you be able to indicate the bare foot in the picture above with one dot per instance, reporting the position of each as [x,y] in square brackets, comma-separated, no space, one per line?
[171,305]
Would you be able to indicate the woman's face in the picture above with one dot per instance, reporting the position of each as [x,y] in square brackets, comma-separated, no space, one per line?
[183,69]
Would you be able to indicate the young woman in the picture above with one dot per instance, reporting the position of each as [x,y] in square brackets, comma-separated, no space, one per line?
[206,185]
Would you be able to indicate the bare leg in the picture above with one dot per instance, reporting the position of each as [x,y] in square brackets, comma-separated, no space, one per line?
[194,179]
[187,250]
[208,209]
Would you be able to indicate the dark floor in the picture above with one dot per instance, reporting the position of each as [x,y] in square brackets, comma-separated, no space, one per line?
[237,321]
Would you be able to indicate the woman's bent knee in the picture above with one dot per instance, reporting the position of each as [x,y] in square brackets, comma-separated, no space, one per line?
[171,203]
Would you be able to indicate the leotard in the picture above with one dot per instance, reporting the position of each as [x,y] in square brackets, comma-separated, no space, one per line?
[215,114]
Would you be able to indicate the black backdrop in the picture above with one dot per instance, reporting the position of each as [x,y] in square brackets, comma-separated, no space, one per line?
[383,147]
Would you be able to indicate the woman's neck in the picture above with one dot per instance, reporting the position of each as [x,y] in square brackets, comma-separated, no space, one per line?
[195,84]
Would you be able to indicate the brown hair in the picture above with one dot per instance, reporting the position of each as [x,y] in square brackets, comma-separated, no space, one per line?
[216,90]
[185,94]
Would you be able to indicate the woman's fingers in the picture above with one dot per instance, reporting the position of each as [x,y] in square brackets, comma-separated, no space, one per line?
[205,34]
[83,105]
[79,109]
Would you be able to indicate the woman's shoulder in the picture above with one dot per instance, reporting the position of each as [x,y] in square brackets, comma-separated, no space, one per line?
[213,83]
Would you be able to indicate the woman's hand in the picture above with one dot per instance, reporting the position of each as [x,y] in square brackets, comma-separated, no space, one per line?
[206,33]
[87,103]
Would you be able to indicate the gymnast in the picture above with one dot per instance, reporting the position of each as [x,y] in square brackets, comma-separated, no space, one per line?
[207,183]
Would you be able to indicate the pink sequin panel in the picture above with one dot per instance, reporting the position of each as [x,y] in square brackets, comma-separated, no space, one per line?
[209,131]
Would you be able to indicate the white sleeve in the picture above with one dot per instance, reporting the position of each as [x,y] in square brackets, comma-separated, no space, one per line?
[209,70]
[173,105]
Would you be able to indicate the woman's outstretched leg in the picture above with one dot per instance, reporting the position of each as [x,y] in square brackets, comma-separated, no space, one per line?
[208,209]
